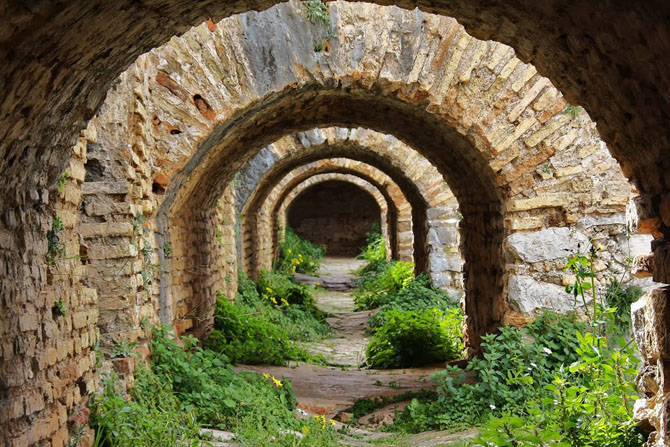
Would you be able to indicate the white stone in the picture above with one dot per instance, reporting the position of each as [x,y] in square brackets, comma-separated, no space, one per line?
[527,295]
[546,245]
[640,244]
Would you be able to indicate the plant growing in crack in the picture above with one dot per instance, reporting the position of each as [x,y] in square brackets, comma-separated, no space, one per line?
[59,309]
[55,247]
[316,12]
[143,246]
[62,181]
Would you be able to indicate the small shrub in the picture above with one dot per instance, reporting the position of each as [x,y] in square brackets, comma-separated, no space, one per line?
[620,298]
[375,289]
[374,252]
[418,295]
[282,290]
[297,254]
[264,328]
[415,338]
[245,336]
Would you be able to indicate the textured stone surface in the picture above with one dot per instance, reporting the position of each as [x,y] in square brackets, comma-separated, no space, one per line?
[426,80]
[547,244]
[527,295]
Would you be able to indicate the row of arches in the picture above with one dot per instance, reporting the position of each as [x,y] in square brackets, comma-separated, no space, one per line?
[474,137]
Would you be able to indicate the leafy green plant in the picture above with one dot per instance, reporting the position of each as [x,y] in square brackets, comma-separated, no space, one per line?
[416,338]
[123,348]
[55,247]
[589,403]
[245,336]
[280,290]
[59,309]
[297,254]
[374,252]
[264,328]
[62,181]
[515,364]
[418,295]
[374,288]
[155,420]
[620,297]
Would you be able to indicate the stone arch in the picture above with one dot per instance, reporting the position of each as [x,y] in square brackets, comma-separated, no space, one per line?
[36,139]
[261,213]
[434,208]
[465,101]
[281,215]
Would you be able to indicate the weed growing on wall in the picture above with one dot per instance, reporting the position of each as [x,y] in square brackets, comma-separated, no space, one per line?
[55,248]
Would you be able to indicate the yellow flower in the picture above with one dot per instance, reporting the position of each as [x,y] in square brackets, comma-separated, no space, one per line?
[284,302]
[268,289]
[277,383]
[305,430]
[273,300]
[332,422]
[266,375]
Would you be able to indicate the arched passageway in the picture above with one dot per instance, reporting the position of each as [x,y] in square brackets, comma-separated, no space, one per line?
[495,175]
[383,202]
[335,214]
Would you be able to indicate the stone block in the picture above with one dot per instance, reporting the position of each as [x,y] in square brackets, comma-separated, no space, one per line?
[527,295]
[545,245]
[537,202]
[114,188]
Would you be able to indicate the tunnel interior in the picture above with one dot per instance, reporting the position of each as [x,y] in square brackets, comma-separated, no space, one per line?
[336,214]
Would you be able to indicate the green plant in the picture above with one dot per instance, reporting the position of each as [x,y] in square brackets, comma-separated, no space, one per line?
[297,254]
[245,336]
[256,329]
[156,420]
[515,363]
[123,348]
[167,249]
[374,251]
[279,289]
[418,295]
[589,403]
[376,287]
[416,338]
[55,247]
[572,111]
[316,11]
[62,181]
[620,297]
[59,309]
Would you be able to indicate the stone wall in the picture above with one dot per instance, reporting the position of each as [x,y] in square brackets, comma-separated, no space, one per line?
[440,88]
[262,211]
[336,214]
[385,227]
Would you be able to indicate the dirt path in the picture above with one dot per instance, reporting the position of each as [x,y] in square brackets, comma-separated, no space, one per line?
[332,390]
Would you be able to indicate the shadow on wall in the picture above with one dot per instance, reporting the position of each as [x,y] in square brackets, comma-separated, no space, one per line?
[336,214]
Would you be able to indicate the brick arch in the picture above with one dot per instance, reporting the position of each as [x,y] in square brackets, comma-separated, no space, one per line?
[486,121]
[627,96]
[280,217]
[434,207]
[261,213]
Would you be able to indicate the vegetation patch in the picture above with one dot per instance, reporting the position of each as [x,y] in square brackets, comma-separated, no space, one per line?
[416,324]
[188,388]
[265,322]
[297,254]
